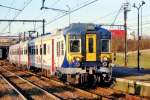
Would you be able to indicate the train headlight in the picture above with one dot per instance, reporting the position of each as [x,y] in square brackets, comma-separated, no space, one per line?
[78,59]
[105,59]
[105,64]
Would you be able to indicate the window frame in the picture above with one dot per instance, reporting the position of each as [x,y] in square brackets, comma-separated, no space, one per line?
[89,46]
[108,46]
[44,49]
[79,47]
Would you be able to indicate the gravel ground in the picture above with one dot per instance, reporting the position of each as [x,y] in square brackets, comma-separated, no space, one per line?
[7,93]
[30,91]
[57,89]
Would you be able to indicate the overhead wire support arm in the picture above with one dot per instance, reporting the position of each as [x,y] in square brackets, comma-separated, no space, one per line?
[60,10]
[42,21]
[72,11]
[5,20]
[55,9]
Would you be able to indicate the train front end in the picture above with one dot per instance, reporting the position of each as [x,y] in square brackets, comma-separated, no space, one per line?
[88,54]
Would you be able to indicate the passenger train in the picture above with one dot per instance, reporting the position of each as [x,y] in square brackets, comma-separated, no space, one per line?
[77,54]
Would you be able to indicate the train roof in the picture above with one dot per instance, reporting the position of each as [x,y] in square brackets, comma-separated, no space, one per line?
[82,28]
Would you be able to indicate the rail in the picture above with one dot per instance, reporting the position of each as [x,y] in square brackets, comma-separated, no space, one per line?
[23,97]
[47,93]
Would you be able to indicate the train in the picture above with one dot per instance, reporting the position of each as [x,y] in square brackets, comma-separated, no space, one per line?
[77,54]
[1,54]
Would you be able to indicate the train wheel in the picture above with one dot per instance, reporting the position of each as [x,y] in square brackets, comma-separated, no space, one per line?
[92,80]
[98,79]
[107,80]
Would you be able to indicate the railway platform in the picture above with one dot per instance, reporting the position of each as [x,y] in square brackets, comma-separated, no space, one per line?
[132,81]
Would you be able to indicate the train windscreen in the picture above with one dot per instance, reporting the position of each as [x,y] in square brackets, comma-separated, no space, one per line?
[105,46]
[74,45]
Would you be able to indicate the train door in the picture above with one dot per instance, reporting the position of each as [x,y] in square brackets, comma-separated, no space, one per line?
[90,47]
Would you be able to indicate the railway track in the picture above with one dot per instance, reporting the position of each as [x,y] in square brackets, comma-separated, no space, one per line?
[99,92]
[9,89]
[57,88]
[82,94]
[64,91]
[26,89]
[60,90]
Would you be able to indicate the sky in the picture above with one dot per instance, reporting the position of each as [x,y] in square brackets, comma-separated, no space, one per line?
[99,12]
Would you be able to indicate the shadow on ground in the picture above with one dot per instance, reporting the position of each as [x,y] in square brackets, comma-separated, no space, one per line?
[121,72]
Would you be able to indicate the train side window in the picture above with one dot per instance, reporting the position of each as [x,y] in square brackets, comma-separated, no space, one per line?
[58,48]
[24,51]
[33,50]
[29,50]
[62,48]
[37,50]
[21,51]
[44,46]
[40,50]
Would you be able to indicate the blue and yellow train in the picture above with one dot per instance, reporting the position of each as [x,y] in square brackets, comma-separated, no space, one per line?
[78,54]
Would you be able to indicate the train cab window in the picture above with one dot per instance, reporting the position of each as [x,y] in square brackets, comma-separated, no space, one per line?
[44,46]
[105,46]
[75,45]
[90,45]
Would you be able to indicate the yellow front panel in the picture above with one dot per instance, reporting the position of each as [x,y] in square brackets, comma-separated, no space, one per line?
[90,47]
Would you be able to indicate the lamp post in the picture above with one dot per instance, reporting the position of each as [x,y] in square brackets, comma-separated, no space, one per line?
[138,41]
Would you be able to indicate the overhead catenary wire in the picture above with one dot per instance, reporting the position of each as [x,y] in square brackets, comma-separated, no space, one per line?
[13,1]
[105,16]
[72,11]
[119,11]
[16,16]
[9,7]
[56,2]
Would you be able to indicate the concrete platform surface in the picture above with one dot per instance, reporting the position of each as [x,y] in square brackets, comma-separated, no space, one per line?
[132,81]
